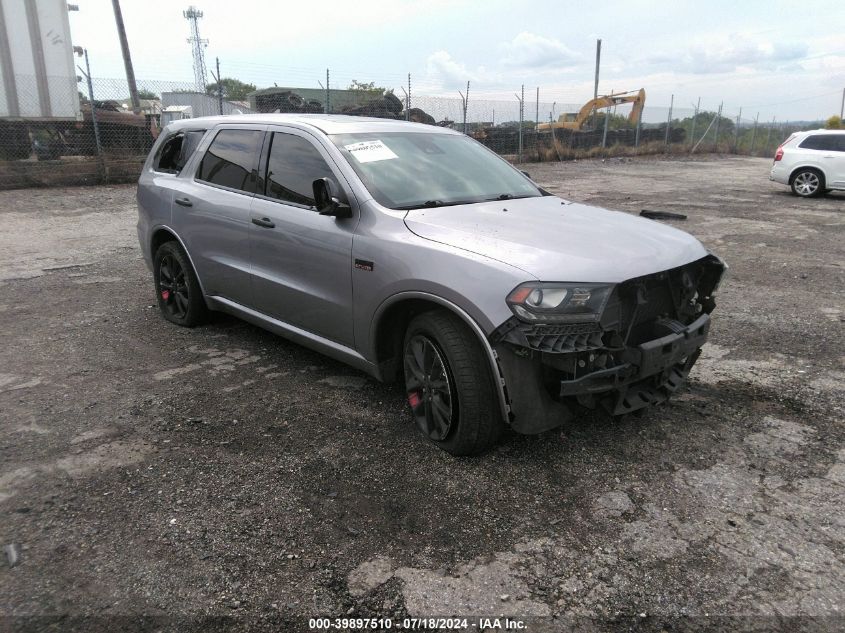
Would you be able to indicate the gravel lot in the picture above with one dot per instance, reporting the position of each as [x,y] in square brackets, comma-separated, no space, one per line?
[222,477]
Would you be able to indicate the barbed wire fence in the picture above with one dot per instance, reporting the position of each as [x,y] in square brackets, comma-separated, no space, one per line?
[106,141]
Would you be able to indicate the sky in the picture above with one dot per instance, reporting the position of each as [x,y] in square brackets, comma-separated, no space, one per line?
[776,59]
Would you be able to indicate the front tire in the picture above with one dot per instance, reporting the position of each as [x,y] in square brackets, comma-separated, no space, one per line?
[449,384]
[807,183]
[179,294]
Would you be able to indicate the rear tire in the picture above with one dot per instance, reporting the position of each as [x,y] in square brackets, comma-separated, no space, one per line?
[807,182]
[449,384]
[177,288]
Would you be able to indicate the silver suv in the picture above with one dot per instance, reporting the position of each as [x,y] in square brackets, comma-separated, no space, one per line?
[412,252]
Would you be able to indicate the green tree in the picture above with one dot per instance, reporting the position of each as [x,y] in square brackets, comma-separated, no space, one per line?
[233,89]
[833,123]
[367,88]
[145,93]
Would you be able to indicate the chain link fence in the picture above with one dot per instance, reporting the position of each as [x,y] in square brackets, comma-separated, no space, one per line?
[107,139]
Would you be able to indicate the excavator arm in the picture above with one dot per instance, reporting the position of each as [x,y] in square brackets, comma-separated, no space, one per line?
[605,101]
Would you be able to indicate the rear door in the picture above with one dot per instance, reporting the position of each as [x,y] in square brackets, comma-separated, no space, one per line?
[211,210]
[301,260]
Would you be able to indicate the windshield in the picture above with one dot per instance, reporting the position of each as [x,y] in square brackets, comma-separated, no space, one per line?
[408,170]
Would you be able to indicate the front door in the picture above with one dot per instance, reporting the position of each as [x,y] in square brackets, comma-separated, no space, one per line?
[301,260]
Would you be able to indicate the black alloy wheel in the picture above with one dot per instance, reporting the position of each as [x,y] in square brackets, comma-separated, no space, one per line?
[173,287]
[429,387]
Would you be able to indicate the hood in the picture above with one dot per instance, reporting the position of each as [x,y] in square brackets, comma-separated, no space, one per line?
[554,240]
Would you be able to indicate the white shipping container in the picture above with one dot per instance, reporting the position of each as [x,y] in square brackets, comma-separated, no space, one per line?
[37,67]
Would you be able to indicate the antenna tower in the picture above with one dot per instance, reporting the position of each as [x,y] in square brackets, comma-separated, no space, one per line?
[198,45]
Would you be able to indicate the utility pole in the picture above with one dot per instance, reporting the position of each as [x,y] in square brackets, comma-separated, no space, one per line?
[328,94]
[537,111]
[736,139]
[596,85]
[127,59]
[217,78]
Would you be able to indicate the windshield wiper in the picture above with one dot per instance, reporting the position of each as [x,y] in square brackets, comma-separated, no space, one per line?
[508,196]
[430,204]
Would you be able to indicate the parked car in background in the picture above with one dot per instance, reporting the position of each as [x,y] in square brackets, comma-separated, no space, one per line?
[414,253]
[811,162]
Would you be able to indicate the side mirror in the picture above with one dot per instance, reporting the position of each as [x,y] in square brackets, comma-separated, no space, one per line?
[327,201]
[527,175]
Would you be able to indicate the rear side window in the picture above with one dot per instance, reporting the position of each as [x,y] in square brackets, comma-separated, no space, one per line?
[292,167]
[189,146]
[167,157]
[820,141]
[231,159]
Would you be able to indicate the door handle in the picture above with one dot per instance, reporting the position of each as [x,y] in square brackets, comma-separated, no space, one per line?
[267,223]
[184,202]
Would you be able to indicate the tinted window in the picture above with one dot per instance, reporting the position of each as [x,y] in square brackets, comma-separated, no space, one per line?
[840,142]
[293,166]
[231,159]
[189,146]
[820,141]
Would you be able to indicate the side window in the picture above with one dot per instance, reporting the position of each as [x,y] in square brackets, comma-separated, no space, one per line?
[820,141]
[840,142]
[231,159]
[167,158]
[292,167]
[189,146]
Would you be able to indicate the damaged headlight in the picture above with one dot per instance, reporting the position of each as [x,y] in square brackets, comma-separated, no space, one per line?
[542,302]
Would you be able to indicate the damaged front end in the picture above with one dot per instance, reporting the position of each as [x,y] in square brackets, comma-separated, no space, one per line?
[622,347]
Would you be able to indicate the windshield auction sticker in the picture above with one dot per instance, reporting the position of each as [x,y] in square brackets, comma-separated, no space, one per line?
[370,151]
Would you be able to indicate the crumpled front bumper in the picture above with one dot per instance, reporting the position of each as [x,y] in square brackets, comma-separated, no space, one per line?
[656,369]
[638,354]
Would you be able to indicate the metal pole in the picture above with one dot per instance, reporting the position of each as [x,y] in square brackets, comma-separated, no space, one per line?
[736,138]
[466,107]
[219,87]
[718,121]
[769,135]
[842,107]
[606,120]
[669,119]
[127,59]
[596,85]
[754,133]
[694,118]
[537,113]
[409,96]
[93,108]
[637,135]
[327,107]
[521,101]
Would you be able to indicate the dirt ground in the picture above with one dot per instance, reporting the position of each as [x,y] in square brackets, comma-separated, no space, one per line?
[223,478]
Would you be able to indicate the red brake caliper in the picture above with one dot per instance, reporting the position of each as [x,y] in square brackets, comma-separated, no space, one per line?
[165,294]
[414,399]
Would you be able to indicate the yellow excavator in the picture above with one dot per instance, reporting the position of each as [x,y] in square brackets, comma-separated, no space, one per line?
[637,97]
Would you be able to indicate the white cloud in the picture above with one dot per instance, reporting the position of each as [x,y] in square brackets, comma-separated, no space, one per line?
[724,55]
[532,50]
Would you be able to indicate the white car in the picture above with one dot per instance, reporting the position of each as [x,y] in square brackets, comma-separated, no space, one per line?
[811,162]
